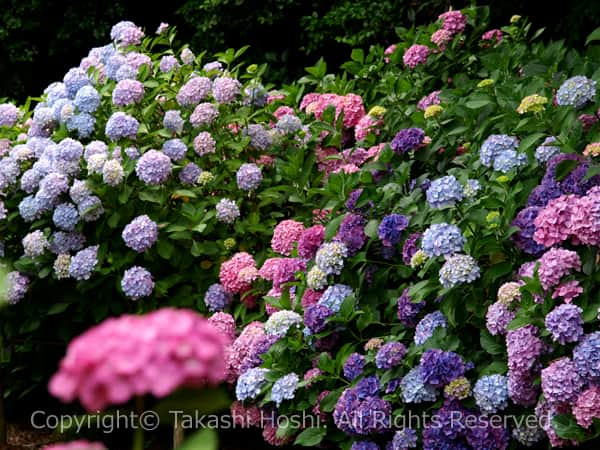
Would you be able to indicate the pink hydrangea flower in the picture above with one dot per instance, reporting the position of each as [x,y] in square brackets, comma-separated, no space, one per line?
[225,323]
[230,271]
[75,445]
[415,55]
[282,111]
[135,355]
[285,235]
[494,35]
[245,416]
[568,291]
[350,104]
[441,38]
[310,241]
[587,406]
[244,350]
[556,263]
[367,124]
[453,21]
[310,297]
[388,51]
[553,223]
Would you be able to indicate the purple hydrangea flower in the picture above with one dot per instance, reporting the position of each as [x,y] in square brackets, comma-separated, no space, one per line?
[410,247]
[248,177]
[174,149]
[128,92]
[9,114]
[90,208]
[204,114]
[189,174]
[408,310]
[168,63]
[391,227]
[260,139]
[407,140]
[140,234]
[315,317]
[546,151]
[17,285]
[74,80]
[352,233]
[439,367]
[65,216]
[121,125]
[192,92]
[83,263]
[565,323]
[404,439]
[204,143]
[34,244]
[226,90]
[561,383]
[82,123]
[523,238]
[390,355]
[364,445]
[576,92]
[153,167]
[217,298]
[62,242]
[227,211]
[498,316]
[586,357]
[354,365]
[137,283]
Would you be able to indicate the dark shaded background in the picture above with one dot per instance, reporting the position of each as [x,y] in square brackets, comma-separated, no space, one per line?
[40,40]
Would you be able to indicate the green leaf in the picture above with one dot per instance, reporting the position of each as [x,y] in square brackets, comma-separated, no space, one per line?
[57,308]
[593,36]
[371,228]
[165,248]
[476,104]
[311,437]
[205,439]
[490,344]
[566,427]
[564,168]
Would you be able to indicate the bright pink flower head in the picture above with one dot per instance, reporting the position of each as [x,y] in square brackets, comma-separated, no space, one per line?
[242,353]
[326,163]
[352,105]
[285,235]
[373,152]
[282,111]
[310,241]
[275,96]
[587,406]
[225,323]
[75,445]
[309,99]
[494,35]
[555,264]
[347,169]
[553,223]
[585,219]
[416,54]
[454,21]
[230,271]
[136,355]
[568,291]
[441,38]
[269,268]
[310,297]
[367,124]
[388,51]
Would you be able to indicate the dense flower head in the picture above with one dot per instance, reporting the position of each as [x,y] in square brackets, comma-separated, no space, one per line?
[225,323]
[410,247]
[508,160]
[90,208]
[576,92]
[359,411]
[112,173]
[217,298]
[445,191]
[140,234]
[61,266]
[87,99]
[137,283]
[425,328]
[62,242]
[390,355]
[524,349]
[524,237]
[556,263]
[528,435]
[498,316]
[491,393]
[494,145]
[364,445]
[459,269]
[416,54]
[586,357]
[121,125]
[408,310]
[65,216]
[226,90]
[17,285]
[126,33]
[407,140]
[227,210]
[79,444]
[587,406]
[285,235]
[430,99]
[453,21]
[472,187]
[175,149]
[354,366]
[565,323]
[459,388]
[204,143]
[442,239]
[315,317]
[441,37]
[248,177]
[334,296]
[592,149]
[403,440]
[367,125]
[9,114]
[532,104]
[546,150]
[128,92]
[280,322]
[439,367]
[168,63]
[352,232]
[204,114]
[391,227]
[260,139]
[34,244]
[316,278]
[193,91]
[310,241]
[250,383]
[284,388]
[414,389]
[493,35]
[229,273]
[173,121]
[561,384]
[133,355]
[190,174]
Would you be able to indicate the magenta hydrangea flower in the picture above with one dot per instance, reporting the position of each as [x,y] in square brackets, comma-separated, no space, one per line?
[310,241]
[225,323]
[285,235]
[587,406]
[556,263]
[494,35]
[230,270]
[135,355]
[453,21]
[153,167]
[416,54]
[140,234]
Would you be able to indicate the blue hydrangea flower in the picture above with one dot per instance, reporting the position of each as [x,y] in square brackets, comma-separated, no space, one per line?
[288,124]
[330,257]
[189,174]
[280,322]
[391,227]
[227,211]
[126,72]
[137,283]
[445,191]
[90,208]
[439,367]
[62,242]
[471,189]
[415,390]
[55,91]
[87,99]
[82,123]
[427,326]
[507,160]
[65,216]
[140,234]
[546,151]
[334,296]
[354,366]
[565,323]
[491,393]
[256,96]
[74,80]
[248,177]
[79,191]
[390,355]
[174,149]
[284,388]
[442,239]
[459,269]
[121,125]
[250,383]
[17,285]
[173,121]
[113,64]
[217,298]
[404,439]
[34,244]
[153,167]
[364,445]
[576,92]
[260,139]
[83,263]
[494,145]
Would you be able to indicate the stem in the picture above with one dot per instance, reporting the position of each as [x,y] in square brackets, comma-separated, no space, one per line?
[138,435]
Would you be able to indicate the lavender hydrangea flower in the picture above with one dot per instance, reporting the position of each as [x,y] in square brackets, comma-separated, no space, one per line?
[315,317]
[226,90]
[121,125]
[494,145]
[9,114]
[79,191]
[354,366]
[17,285]
[565,323]
[546,151]
[168,63]
[445,191]
[260,139]
[586,357]
[227,211]
[410,247]
[330,257]
[83,263]
[442,239]
[491,393]
[140,234]
[403,440]
[364,445]
[248,177]
[256,96]
[87,99]
[407,140]
[62,242]
[250,383]
[391,227]
[284,388]
[65,216]
[459,269]
[414,389]
[427,326]
[352,232]
[174,149]
[390,355]
[498,316]
[190,174]
[408,310]
[217,298]
[34,244]
[334,296]
[576,92]
[137,283]
[90,208]
[192,92]
[523,238]
[561,383]
[173,121]
[126,33]
[128,92]
[204,114]
[153,167]
[439,367]
[288,124]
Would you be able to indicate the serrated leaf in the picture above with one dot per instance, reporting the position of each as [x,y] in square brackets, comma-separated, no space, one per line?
[311,437]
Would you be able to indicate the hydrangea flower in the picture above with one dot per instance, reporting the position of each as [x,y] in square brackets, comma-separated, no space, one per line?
[204,114]
[354,366]
[87,99]
[9,114]
[190,174]
[204,143]
[280,322]
[391,227]
[17,285]
[576,92]
[193,91]
[284,388]
[334,296]
[427,326]
[390,355]
[561,384]
[250,383]
[532,104]
[310,241]
[34,244]
[445,191]
[65,216]
[315,317]
[173,121]
[416,54]
[565,323]
[140,234]
[61,266]
[260,139]
[121,125]
[352,232]
[587,406]
[168,63]
[415,390]
[128,92]
[407,140]
[498,316]
[494,145]
[459,269]
[459,388]
[225,89]
[83,263]
[79,444]
[491,393]
[316,278]
[217,298]
[112,173]
[509,159]
[408,310]
[439,367]
[248,177]
[586,357]
[403,440]
[442,239]
[137,283]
